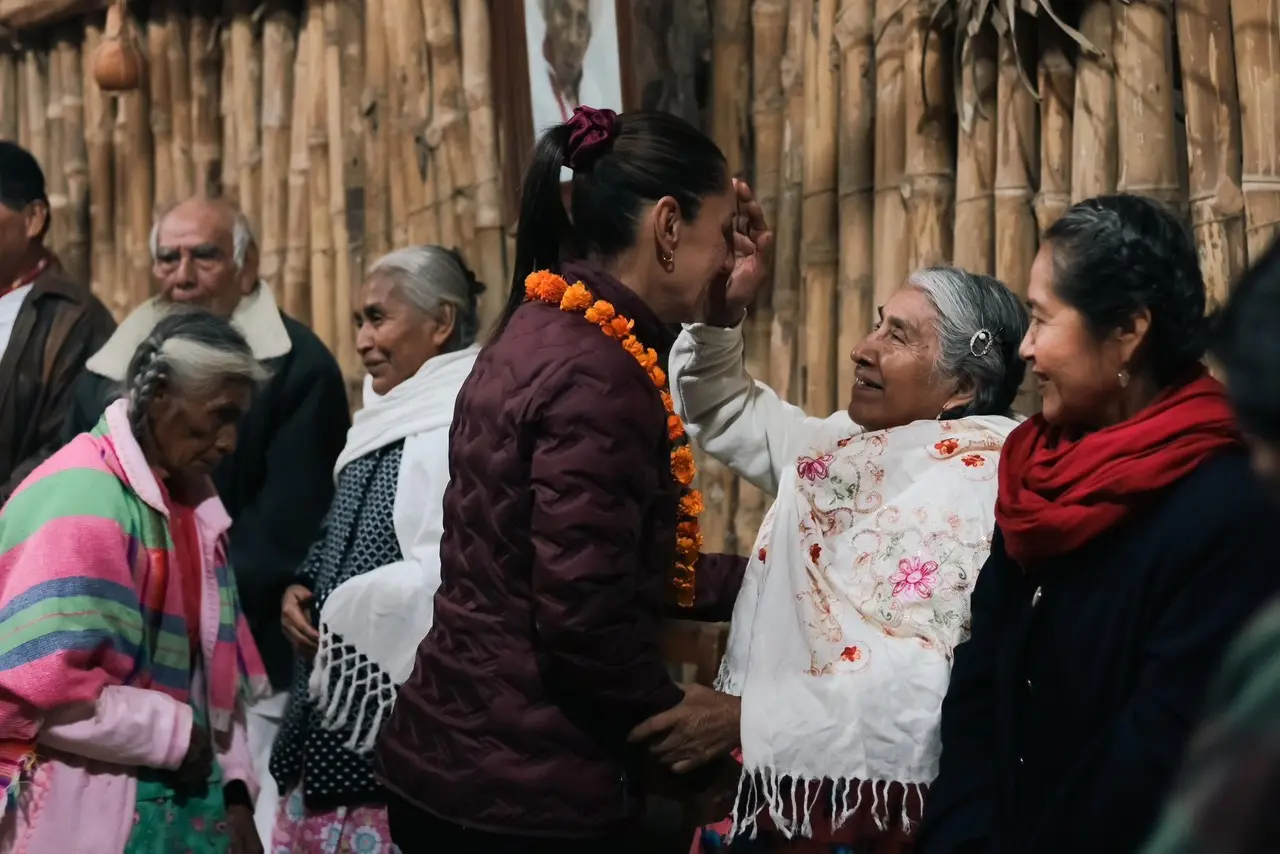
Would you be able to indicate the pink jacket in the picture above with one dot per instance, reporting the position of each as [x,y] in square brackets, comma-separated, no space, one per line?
[83,793]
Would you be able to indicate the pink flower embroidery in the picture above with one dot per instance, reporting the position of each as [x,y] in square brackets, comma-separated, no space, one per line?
[851,654]
[815,552]
[915,577]
[947,447]
[814,470]
[974,461]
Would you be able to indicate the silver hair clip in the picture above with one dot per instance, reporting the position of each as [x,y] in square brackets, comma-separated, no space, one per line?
[981,343]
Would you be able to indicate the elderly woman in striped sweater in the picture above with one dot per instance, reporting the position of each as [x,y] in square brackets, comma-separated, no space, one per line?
[124,658]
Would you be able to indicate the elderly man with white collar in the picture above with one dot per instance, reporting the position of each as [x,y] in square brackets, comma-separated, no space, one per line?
[278,484]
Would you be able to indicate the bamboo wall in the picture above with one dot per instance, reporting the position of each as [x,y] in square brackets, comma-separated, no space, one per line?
[880,135]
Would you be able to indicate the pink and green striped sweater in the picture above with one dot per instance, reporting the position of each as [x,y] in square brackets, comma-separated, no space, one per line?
[86,601]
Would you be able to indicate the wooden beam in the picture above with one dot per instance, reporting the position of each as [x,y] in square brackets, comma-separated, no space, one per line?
[23,14]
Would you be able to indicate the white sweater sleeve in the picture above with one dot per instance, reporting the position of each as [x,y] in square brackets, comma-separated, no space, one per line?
[740,421]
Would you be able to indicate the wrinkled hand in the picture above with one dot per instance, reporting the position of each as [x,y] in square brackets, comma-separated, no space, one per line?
[244,835]
[197,765]
[702,728]
[295,617]
[730,295]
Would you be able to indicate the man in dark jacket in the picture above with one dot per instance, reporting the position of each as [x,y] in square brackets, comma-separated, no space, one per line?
[278,484]
[49,324]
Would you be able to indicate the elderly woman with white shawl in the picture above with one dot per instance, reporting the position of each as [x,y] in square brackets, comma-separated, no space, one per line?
[371,577]
[857,588]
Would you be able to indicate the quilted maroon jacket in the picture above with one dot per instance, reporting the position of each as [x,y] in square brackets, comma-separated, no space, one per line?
[559,535]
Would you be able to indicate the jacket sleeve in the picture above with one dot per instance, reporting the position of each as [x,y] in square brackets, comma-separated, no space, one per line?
[273,532]
[717,579]
[590,488]
[1227,793]
[1121,783]
[235,758]
[125,726]
[88,333]
[960,809]
[739,421]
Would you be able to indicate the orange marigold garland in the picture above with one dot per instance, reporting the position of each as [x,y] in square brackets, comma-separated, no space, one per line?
[552,289]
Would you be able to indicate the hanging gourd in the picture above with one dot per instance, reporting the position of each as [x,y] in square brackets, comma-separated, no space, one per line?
[119,63]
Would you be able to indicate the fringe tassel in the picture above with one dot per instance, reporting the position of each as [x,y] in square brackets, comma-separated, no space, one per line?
[348,691]
[791,802]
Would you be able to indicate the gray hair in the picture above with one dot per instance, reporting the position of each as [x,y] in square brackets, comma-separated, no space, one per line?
[192,352]
[430,276]
[981,324]
[241,237]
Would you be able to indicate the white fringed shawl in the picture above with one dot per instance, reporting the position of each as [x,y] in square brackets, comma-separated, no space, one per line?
[371,625]
[856,592]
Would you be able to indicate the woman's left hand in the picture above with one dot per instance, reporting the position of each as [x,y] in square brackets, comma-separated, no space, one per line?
[702,728]
[244,835]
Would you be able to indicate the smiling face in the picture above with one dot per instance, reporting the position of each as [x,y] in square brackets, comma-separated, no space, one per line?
[896,380]
[394,337]
[190,435]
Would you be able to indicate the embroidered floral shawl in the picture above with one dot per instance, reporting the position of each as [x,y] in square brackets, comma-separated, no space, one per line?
[855,596]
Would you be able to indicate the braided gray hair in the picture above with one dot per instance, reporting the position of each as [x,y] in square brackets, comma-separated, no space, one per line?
[192,352]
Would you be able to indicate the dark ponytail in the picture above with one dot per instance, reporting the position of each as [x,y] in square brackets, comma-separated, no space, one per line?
[544,231]
[635,159]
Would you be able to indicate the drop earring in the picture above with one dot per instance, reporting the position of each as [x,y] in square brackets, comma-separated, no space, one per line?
[1123,376]
[669,261]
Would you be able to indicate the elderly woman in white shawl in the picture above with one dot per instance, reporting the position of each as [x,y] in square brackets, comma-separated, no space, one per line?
[857,588]
[371,577]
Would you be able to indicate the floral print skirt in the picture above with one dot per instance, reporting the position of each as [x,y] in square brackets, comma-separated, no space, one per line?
[345,830]
[168,822]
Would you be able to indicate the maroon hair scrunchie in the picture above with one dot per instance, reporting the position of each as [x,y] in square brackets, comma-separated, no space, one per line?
[590,133]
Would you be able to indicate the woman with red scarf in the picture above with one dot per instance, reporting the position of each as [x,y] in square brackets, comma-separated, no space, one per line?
[1130,546]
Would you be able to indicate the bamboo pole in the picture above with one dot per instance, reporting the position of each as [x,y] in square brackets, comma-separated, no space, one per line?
[323,259]
[74,158]
[158,40]
[1256,30]
[206,120]
[377,131]
[892,259]
[133,165]
[99,119]
[296,294]
[855,174]
[406,40]
[1094,131]
[33,128]
[974,243]
[448,129]
[1017,166]
[1213,142]
[477,85]
[819,246]
[1144,102]
[769,35]
[1057,86]
[178,60]
[246,93]
[343,45]
[279,53]
[783,370]
[9,108]
[55,178]
[230,184]
[928,180]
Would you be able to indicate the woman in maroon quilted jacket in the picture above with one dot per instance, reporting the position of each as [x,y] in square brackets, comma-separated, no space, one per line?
[569,527]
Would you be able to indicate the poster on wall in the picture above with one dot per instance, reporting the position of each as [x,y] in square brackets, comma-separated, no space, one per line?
[573,59]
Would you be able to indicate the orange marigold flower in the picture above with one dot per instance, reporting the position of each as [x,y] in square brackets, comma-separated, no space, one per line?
[658,376]
[675,428]
[687,529]
[576,297]
[647,358]
[666,402]
[682,466]
[546,286]
[686,547]
[601,313]
[618,328]
[633,346]
[691,503]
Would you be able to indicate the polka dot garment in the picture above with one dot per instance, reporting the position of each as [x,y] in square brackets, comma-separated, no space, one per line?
[358,537]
